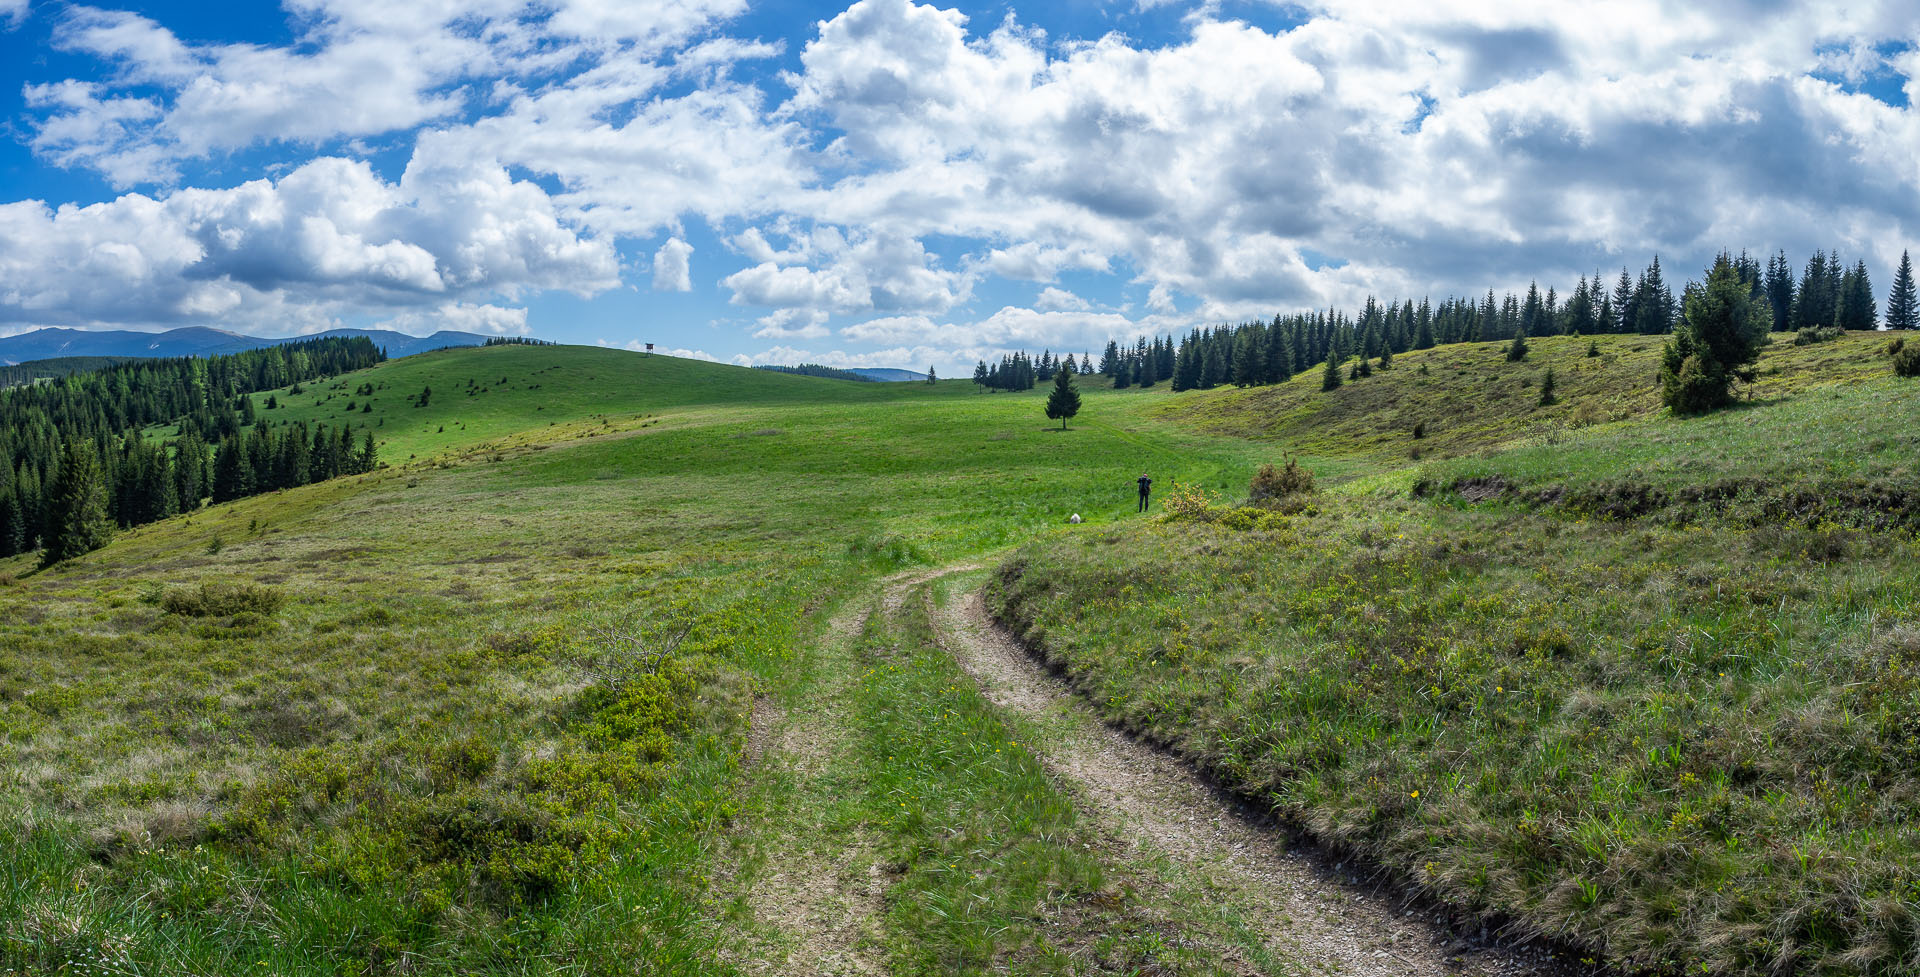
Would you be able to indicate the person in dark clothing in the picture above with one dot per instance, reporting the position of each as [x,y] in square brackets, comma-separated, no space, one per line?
[1146,489]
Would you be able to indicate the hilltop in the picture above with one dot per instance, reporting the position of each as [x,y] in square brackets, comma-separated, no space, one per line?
[515,392]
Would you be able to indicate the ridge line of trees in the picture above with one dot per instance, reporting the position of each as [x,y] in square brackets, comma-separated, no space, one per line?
[1019,371]
[1827,294]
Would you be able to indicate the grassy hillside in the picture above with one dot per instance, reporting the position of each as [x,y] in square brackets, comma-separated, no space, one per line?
[484,394]
[491,708]
[426,721]
[1679,731]
[1467,397]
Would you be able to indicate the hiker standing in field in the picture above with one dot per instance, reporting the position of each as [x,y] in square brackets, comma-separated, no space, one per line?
[1146,489]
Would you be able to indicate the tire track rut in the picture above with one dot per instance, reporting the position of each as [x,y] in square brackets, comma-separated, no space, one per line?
[1157,805]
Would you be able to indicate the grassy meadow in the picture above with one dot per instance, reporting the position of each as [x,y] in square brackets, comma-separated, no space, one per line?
[1678,731]
[486,710]
[492,708]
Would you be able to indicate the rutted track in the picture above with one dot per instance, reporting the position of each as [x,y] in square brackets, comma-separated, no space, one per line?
[1158,806]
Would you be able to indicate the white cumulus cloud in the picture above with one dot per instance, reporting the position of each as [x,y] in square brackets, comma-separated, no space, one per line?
[672,269]
[328,238]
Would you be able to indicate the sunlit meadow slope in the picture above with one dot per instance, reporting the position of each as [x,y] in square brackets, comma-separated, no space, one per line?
[1680,731]
[435,719]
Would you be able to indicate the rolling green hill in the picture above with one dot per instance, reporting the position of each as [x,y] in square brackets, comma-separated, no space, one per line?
[1648,683]
[500,706]
[1467,397]
[413,715]
[493,393]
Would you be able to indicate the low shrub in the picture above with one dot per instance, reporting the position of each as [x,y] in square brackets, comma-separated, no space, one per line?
[222,598]
[1905,356]
[1271,484]
[1187,502]
[1817,334]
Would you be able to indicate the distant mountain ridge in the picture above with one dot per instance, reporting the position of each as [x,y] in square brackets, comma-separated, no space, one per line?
[55,342]
[888,374]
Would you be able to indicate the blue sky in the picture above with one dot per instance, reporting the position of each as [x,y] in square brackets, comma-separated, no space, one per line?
[896,184]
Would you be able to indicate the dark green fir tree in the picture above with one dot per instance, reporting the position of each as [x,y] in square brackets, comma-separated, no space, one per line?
[1716,343]
[1063,401]
[1902,310]
[1517,350]
[77,520]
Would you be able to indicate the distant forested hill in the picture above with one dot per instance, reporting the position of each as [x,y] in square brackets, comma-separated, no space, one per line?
[75,459]
[14,376]
[816,370]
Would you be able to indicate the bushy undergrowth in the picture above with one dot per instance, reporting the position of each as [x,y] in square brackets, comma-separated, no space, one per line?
[1689,748]
[1905,357]
[221,599]
[1274,486]
[469,825]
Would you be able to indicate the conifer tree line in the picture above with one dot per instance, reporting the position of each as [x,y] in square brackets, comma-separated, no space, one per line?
[1825,293]
[1018,371]
[73,463]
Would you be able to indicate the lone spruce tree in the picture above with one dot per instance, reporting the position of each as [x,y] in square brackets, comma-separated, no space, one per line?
[1063,401]
[1719,338]
[77,521]
[1902,310]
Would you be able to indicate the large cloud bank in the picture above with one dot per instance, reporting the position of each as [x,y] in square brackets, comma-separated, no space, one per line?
[913,170]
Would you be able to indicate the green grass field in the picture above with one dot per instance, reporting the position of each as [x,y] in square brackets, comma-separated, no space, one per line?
[449,751]
[1648,684]
[491,708]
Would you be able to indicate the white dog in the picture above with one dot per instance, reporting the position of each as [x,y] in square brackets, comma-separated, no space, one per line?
[1075,519]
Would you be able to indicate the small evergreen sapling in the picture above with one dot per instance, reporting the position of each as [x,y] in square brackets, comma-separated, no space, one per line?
[1517,350]
[1546,389]
[1330,378]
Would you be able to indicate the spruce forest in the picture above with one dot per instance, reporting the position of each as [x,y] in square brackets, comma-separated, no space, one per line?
[94,440]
